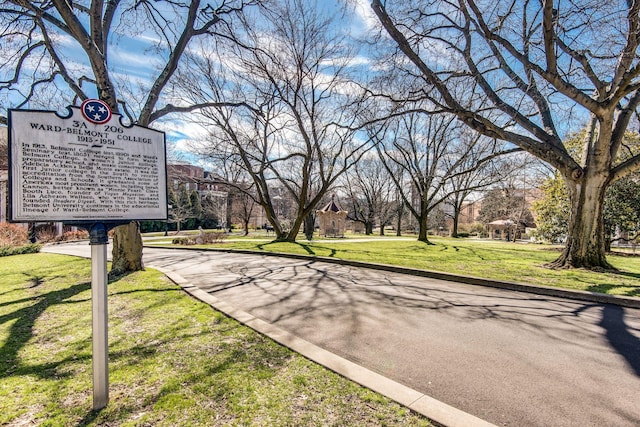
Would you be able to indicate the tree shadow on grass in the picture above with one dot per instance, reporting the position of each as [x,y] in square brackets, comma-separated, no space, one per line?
[90,417]
[253,358]
[309,249]
[627,274]
[262,246]
[35,280]
[25,318]
[22,329]
[606,288]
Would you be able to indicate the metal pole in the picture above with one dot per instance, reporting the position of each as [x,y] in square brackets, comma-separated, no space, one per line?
[98,241]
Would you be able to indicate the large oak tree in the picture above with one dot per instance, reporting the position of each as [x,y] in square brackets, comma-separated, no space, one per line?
[519,71]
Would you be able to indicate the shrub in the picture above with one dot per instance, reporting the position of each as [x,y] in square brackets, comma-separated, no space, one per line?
[214,237]
[204,239]
[478,228]
[46,233]
[20,250]
[183,241]
[73,235]
[12,234]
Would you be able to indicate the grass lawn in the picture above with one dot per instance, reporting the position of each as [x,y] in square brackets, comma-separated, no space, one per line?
[173,360]
[514,262]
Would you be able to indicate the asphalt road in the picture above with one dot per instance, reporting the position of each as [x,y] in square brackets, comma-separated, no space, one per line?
[507,357]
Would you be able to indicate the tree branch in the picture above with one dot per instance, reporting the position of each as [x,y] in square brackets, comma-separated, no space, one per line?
[170,108]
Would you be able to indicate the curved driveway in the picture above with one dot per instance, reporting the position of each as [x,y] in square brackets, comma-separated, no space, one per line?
[507,357]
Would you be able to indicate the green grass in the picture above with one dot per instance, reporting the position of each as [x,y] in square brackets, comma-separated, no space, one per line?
[173,360]
[514,262]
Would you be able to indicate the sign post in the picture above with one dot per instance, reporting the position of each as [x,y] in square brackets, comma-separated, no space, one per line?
[98,239]
[91,171]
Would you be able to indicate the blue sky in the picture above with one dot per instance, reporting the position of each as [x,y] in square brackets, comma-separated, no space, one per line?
[133,59]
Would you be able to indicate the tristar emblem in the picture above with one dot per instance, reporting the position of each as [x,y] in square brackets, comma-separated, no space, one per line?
[96,111]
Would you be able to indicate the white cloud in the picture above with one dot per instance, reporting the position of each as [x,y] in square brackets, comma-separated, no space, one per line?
[180,136]
[151,39]
[63,39]
[132,59]
[366,18]
[354,61]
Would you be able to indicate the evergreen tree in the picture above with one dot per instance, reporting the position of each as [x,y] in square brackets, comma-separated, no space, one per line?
[622,210]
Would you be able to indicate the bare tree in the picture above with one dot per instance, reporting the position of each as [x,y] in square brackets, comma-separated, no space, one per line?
[37,71]
[479,168]
[179,214]
[180,208]
[429,150]
[293,72]
[215,207]
[507,202]
[369,189]
[522,67]
[243,206]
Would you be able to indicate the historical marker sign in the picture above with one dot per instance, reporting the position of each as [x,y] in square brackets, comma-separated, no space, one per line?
[84,167]
[89,169]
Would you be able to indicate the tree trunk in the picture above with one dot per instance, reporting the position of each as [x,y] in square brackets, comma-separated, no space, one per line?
[585,246]
[272,219]
[309,226]
[127,249]
[423,234]
[382,229]
[399,222]
[456,219]
[292,235]
[368,228]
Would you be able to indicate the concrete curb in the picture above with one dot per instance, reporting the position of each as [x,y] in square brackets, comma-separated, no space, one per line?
[438,412]
[598,298]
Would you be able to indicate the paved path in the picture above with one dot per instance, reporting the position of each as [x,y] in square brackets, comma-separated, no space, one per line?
[509,358]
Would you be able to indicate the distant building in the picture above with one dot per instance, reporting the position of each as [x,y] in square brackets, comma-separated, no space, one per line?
[514,217]
[469,212]
[206,184]
[196,178]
